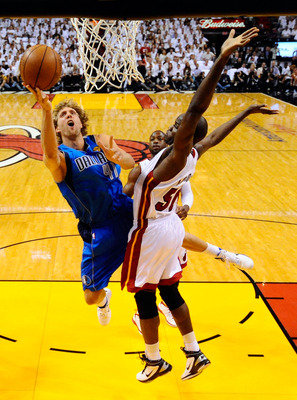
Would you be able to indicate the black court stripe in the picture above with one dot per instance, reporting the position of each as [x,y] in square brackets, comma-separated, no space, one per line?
[7,338]
[255,355]
[246,317]
[208,339]
[274,298]
[68,351]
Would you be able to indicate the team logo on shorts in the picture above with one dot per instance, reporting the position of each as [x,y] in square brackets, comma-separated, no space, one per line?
[86,280]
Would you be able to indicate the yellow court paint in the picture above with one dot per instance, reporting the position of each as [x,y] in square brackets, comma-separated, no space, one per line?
[101,101]
[63,353]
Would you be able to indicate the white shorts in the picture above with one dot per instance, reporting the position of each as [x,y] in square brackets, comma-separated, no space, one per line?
[152,254]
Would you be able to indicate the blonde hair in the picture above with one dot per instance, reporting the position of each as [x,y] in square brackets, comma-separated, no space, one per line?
[83,116]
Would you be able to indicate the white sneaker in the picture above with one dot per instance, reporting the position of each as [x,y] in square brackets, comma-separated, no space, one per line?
[196,363]
[153,369]
[240,260]
[162,307]
[104,313]
[136,322]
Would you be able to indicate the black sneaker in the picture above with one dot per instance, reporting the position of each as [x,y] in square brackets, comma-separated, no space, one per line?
[196,363]
[153,369]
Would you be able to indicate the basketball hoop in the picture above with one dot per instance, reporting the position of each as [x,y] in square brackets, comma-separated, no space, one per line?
[107,49]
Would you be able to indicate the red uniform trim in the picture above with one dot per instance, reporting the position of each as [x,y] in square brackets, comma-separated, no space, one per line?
[132,255]
[153,286]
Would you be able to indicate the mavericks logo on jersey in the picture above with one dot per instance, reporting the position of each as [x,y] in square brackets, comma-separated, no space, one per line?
[109,168]
[85,162]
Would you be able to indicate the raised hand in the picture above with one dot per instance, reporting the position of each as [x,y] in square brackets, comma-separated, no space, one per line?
[232,43]
[41,97]
[111,151]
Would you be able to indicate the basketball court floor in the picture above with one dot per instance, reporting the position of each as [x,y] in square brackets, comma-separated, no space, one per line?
[51,344]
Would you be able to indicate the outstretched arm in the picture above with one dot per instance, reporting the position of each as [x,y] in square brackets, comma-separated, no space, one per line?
[52,157]
[183,140]
[222,131]
[204,94]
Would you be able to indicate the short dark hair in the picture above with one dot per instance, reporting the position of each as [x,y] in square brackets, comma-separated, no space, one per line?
[201,130]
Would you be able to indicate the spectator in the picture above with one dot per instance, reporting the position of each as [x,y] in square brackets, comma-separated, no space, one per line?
[252,80]
[239,81]
[162,82]
[224,81]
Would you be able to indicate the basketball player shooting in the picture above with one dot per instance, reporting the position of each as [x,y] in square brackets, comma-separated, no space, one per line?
[86,170]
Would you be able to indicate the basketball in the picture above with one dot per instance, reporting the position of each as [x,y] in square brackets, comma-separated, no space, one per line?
[40,66]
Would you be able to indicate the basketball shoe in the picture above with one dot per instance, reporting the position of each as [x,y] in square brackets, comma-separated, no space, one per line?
[241,260]
[196,363]
[153,369]
[104,313]
[162,307]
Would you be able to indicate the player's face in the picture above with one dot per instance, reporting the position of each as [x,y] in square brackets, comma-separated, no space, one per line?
[69,122]
[173,129]
[157,142]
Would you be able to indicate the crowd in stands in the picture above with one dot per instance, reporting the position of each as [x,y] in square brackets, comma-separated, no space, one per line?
[171,54]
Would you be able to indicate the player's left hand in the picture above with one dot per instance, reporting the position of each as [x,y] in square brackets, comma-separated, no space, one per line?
[262,109]
[182,211]
[111,151]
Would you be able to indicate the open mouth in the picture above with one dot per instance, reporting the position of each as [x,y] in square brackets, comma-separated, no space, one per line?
[70,123]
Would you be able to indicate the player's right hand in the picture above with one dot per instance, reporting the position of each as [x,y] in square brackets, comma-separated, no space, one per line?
[41,97]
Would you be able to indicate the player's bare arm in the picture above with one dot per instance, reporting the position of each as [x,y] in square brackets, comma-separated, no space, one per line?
[113,152]
[201,100]
[52,157]
[128,189]
[222,131]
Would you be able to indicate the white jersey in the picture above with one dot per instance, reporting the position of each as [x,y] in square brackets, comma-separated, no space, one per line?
[157,234]
[154,199]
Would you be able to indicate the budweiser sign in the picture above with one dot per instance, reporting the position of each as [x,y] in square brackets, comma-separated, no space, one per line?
[222,23]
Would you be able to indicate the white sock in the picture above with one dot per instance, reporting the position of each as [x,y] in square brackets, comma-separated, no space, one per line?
[152,351]
[190,342]
[212,249]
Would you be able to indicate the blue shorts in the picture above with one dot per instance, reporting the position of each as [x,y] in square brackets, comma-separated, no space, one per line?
[106,251]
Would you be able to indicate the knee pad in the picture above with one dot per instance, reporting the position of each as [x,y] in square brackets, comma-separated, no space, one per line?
[146,304]
[171,296]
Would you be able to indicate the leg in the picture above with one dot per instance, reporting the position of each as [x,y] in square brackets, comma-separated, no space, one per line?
[149,316]
[149,320]
[178,307]
[196,360]
[94,297]
[194,243]
[101,298]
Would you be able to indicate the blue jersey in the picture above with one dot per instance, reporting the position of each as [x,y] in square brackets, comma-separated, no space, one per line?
[92,186]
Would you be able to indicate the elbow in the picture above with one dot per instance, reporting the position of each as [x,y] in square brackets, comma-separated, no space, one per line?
[51,160]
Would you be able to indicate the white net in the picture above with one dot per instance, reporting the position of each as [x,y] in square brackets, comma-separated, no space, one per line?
[107,49]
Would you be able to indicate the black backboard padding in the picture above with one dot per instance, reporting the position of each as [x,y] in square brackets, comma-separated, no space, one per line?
[130,9]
